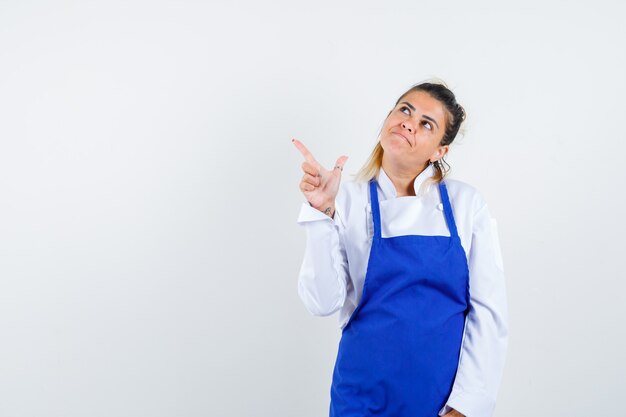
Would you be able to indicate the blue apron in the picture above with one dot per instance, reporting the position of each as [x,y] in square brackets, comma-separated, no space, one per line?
[399,351]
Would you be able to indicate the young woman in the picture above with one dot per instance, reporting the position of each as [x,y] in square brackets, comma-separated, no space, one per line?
[412,263]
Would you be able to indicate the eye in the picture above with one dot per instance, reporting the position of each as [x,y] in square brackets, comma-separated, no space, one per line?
[430,127]
[403,108]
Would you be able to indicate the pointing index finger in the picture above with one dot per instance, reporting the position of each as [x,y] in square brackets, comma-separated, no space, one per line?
[305,152]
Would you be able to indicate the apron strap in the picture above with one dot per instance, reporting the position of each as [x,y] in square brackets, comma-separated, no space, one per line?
[375,208]
[447,209]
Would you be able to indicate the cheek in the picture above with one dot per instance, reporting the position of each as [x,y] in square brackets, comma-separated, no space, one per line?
[393,121]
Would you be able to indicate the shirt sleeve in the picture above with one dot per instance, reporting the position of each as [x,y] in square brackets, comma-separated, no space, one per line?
[322,282]
[485,336]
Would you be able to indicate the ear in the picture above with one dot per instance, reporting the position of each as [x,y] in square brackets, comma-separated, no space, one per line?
[439,153]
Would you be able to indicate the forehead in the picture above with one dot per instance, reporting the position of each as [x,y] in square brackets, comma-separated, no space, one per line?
[424,103]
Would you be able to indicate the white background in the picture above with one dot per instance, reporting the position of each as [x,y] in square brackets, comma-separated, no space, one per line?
[149,249]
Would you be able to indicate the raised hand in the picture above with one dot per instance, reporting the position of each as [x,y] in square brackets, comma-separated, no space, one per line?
[320,185]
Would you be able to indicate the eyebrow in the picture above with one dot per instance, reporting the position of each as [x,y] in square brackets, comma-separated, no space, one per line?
[423,115]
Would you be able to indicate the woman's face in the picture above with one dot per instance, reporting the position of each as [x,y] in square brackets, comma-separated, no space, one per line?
[412,132]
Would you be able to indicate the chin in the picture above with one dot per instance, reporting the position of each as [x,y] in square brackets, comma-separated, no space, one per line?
[397,147]
[394,142]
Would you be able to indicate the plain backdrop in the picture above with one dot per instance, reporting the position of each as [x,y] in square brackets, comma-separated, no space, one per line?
[149,249]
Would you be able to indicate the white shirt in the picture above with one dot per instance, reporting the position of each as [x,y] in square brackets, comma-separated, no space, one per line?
[337,252]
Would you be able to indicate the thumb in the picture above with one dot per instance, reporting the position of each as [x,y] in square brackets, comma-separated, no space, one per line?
[340,162]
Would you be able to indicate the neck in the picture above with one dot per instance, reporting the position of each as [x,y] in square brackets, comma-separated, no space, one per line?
[403,179]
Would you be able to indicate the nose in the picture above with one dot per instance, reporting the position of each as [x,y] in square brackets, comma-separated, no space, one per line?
[405,125]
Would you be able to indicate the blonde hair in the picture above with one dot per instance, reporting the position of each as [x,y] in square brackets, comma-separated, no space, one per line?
[455,116]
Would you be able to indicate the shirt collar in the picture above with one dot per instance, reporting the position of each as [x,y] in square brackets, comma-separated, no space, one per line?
[389,190]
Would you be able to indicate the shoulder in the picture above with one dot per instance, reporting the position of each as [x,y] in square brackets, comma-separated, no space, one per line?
[464,195]
[351,191]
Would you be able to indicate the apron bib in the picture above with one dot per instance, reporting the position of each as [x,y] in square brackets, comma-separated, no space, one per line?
[399,351]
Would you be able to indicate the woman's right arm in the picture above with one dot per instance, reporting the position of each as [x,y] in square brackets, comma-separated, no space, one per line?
[323,279]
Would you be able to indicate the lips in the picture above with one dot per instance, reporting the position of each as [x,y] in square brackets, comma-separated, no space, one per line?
[402,136]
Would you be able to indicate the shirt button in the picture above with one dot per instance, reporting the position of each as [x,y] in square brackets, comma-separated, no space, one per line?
[440,206]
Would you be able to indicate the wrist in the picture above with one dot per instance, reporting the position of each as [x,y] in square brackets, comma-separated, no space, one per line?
[328,208]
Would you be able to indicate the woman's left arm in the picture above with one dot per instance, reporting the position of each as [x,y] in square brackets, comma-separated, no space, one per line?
[485,338]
